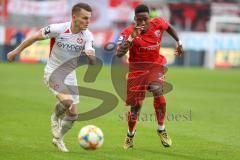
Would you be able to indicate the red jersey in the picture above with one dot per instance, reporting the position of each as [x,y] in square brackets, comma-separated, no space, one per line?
[146,47]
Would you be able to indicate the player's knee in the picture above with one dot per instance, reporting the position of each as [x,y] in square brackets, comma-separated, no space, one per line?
[60,109]
[135,110]
[156,89]
[67,103]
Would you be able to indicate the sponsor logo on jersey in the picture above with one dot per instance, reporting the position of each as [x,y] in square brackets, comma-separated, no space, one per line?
[70,47]
[149,48]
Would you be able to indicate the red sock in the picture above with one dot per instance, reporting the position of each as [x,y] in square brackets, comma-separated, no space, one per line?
[132,121]
[160,109]
[133,118]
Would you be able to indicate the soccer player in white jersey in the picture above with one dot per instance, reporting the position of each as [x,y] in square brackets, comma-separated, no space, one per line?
[68,40]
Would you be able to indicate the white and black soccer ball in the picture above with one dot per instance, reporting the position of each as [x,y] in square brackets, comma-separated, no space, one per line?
[90,137]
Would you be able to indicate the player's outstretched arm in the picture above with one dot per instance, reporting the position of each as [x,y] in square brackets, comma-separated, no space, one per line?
[26,43]
[179,49]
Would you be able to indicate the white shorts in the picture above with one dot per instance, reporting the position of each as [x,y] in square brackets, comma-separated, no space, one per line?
[56,87]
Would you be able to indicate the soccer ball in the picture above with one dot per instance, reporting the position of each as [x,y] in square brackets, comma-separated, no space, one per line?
[90,137]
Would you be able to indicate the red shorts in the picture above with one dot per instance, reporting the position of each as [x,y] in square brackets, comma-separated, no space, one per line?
[139,77]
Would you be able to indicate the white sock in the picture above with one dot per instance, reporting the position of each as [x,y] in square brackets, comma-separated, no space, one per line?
[65,127]
[131,133]
[54,117]
[161,128]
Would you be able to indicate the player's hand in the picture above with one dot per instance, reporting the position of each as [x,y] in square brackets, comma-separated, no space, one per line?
[179,50]
[89,53]
[91,57]
[12,55]
[137,31]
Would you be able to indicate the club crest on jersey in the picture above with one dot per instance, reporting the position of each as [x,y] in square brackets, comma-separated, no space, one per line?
[157,33]
[79,40]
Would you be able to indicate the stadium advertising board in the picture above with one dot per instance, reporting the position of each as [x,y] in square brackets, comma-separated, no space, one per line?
[202,41]
[226,59]
[169,54]
[224,44]
[38,52]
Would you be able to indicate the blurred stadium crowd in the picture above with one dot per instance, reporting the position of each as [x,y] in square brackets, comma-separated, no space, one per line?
[209,29]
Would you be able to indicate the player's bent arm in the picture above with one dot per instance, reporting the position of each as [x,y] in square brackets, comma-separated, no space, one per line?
[123,48]
[179,50]
[29,41]
[26,43]
[173,33]
[92,60]
[89,50]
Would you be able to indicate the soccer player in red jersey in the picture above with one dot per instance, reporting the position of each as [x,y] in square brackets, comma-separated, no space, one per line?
[146,70]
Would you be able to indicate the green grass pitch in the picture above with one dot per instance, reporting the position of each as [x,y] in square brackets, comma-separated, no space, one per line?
[207,103]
